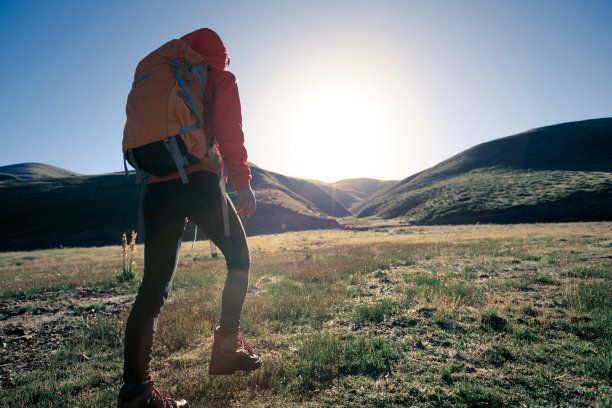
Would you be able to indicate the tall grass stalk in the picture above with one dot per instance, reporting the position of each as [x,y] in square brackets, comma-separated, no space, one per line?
[128,271]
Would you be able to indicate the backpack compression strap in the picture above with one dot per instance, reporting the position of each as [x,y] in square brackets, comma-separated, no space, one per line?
[188,96]
[192,104]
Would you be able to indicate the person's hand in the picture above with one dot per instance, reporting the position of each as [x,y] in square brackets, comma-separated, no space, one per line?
[246,202]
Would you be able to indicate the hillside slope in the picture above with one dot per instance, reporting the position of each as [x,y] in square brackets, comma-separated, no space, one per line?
[33,171]
[555,173]
[305,191]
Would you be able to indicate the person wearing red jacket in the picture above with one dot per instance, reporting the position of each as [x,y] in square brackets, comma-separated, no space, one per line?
[167,203]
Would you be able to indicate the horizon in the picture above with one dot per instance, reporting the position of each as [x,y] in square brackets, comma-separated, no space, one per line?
[306,179]
[390,89]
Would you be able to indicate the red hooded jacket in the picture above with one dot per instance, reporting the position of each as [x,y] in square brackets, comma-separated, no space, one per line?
[223,114]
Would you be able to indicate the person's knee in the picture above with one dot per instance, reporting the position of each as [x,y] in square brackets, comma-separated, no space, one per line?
[238,257]
[152,297]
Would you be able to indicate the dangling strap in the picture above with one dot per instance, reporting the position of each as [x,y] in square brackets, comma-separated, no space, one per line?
[140,175]
[142,178]
[195,235]
[127,173]
[213,249]
[224,197]
[175,152]
[141,223]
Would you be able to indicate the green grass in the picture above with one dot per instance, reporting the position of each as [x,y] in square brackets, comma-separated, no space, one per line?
[467,316]
[375,313]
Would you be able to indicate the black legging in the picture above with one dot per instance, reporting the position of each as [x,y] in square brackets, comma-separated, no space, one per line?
[166,204]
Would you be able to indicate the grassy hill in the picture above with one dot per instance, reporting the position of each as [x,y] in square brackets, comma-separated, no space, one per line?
[44,212]
[68,211]
[555,173]
[33,171]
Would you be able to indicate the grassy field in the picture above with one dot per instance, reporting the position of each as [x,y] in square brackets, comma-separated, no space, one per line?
[462,316]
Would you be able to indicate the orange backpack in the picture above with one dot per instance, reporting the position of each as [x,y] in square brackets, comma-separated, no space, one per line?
[164,130]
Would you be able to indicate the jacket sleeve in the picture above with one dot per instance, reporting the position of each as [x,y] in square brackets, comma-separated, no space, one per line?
[227,119]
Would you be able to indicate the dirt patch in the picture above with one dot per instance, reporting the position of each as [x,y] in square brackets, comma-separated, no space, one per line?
[33,328]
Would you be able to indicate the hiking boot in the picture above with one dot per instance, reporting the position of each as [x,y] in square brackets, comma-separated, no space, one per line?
[231,353]
[146,396]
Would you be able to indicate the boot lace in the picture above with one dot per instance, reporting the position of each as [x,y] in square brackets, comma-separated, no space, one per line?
[161,401]
[245,345]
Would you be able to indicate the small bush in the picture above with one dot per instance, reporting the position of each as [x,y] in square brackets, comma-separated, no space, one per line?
[491,320]
[375,313]
[525,333]
[446,376]
[497,355]
[126,275]
[475,395]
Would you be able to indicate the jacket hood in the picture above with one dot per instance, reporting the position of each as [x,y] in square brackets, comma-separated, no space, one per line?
[209,45]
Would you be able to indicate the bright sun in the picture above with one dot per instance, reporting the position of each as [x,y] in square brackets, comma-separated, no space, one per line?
[335,131]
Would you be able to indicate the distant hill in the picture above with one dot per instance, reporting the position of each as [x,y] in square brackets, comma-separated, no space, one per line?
[43,212]
[34,171]
[555,173]
[351,191]
[306,192]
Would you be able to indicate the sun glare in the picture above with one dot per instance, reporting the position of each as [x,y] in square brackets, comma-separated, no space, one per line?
[338,129]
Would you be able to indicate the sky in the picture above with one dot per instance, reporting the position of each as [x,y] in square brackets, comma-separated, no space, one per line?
[329,89]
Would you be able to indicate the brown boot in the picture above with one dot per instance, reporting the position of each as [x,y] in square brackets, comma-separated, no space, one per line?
[146,396]
[231,353]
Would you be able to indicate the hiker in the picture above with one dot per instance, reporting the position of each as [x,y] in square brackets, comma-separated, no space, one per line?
[167,203]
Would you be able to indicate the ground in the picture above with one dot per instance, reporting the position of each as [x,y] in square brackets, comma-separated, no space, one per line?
[383,315]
